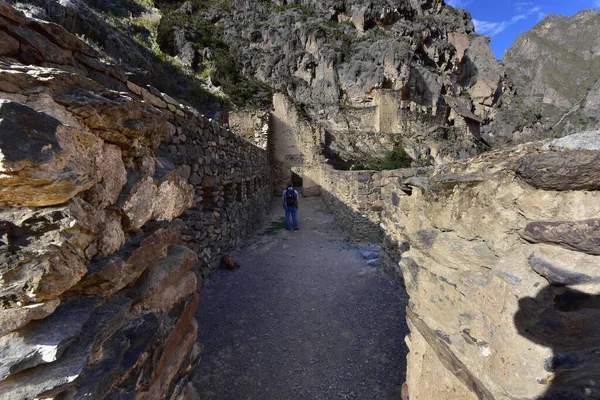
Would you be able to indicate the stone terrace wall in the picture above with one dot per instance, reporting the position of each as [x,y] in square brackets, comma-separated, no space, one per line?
[97,292]
[499,254]
[357,198]
[231,179]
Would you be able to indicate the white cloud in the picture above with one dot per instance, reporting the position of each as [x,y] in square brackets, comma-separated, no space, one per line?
[494,28]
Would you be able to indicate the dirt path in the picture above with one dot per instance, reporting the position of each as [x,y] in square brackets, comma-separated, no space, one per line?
[305,317]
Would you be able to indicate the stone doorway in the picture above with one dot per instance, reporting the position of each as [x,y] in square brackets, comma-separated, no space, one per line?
[296,181]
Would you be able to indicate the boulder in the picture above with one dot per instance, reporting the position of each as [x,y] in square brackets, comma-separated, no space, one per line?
[44,162]
[167,282]
[108,275]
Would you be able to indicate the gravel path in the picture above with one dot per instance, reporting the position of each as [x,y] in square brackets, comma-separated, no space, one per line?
[305,317]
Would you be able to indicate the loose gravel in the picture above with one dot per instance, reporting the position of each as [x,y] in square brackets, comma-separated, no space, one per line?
[305,317]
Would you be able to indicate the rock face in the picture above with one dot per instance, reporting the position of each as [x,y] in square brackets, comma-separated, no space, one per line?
[114,205]
[371,75]
[501,270]
[555,69]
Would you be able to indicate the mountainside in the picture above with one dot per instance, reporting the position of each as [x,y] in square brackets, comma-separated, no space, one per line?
[373,75]
[556,71]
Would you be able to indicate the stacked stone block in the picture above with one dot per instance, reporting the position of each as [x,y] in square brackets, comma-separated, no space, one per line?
[115,201]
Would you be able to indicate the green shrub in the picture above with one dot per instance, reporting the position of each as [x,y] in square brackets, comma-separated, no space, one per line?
[394,159]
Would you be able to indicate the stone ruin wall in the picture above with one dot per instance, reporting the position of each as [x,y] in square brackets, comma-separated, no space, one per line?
[499,255]
[115,205]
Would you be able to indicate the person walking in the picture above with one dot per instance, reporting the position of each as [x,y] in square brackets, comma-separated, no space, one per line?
[290,205]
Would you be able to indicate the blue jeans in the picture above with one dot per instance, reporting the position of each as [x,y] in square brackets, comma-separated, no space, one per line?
[294,211]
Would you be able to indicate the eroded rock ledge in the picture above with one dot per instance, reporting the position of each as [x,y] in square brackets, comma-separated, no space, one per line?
[115,202]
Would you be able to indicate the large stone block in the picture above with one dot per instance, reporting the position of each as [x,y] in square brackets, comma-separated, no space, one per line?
[167,282]
[564,170]
[50,379]
[43,161]
[44,341]
[111,274]
[581,236]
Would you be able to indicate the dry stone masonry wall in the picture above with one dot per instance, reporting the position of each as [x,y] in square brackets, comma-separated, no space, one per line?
[115,202]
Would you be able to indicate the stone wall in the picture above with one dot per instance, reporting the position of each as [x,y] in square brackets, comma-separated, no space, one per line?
[498,254]
[99,279]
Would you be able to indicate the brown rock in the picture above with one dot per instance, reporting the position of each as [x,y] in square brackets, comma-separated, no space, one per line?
[173,354]
[174,196]
[113,177]
[565,170]
[139,206]
[8,45]
[42,251]
[61,37]
[47,50]
[167,282]
[9,12]
[15,318]
[111,237]
[108,276]
[581,236]
[44,162]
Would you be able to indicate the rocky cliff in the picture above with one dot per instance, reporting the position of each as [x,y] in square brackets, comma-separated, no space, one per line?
[114,205]
[555,68]
[372,74]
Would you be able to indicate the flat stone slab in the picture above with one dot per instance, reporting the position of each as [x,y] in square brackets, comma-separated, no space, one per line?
[581,236]
[564,170]
[44,341]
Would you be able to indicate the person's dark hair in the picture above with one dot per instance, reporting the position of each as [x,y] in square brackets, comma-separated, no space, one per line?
[289,184]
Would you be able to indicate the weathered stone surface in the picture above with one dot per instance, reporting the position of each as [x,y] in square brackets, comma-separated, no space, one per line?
[14,318]
[578,141]
[448,359]
[557,276]
[44,341]
[8,44]
[113,177]
[174,352]
[44,162]
[10,13]
[49,379]
[167,282]
[565,170]
[42,47]
[139,206]
[174,196]
[581,236]
[109,275]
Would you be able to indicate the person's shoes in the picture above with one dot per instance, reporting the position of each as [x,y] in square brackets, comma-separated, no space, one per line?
[296,229]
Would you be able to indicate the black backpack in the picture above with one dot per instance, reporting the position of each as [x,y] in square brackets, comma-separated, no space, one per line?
[290,197]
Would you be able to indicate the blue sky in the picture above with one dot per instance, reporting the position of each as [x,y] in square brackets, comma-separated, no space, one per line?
[504,20]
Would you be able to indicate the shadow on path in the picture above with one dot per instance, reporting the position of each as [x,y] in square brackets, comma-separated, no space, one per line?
[305,317]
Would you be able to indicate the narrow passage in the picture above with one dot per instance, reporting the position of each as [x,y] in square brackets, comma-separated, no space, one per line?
[304,317]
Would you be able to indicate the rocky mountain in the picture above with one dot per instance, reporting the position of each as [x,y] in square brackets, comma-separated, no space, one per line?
[555,68]
[371,74]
